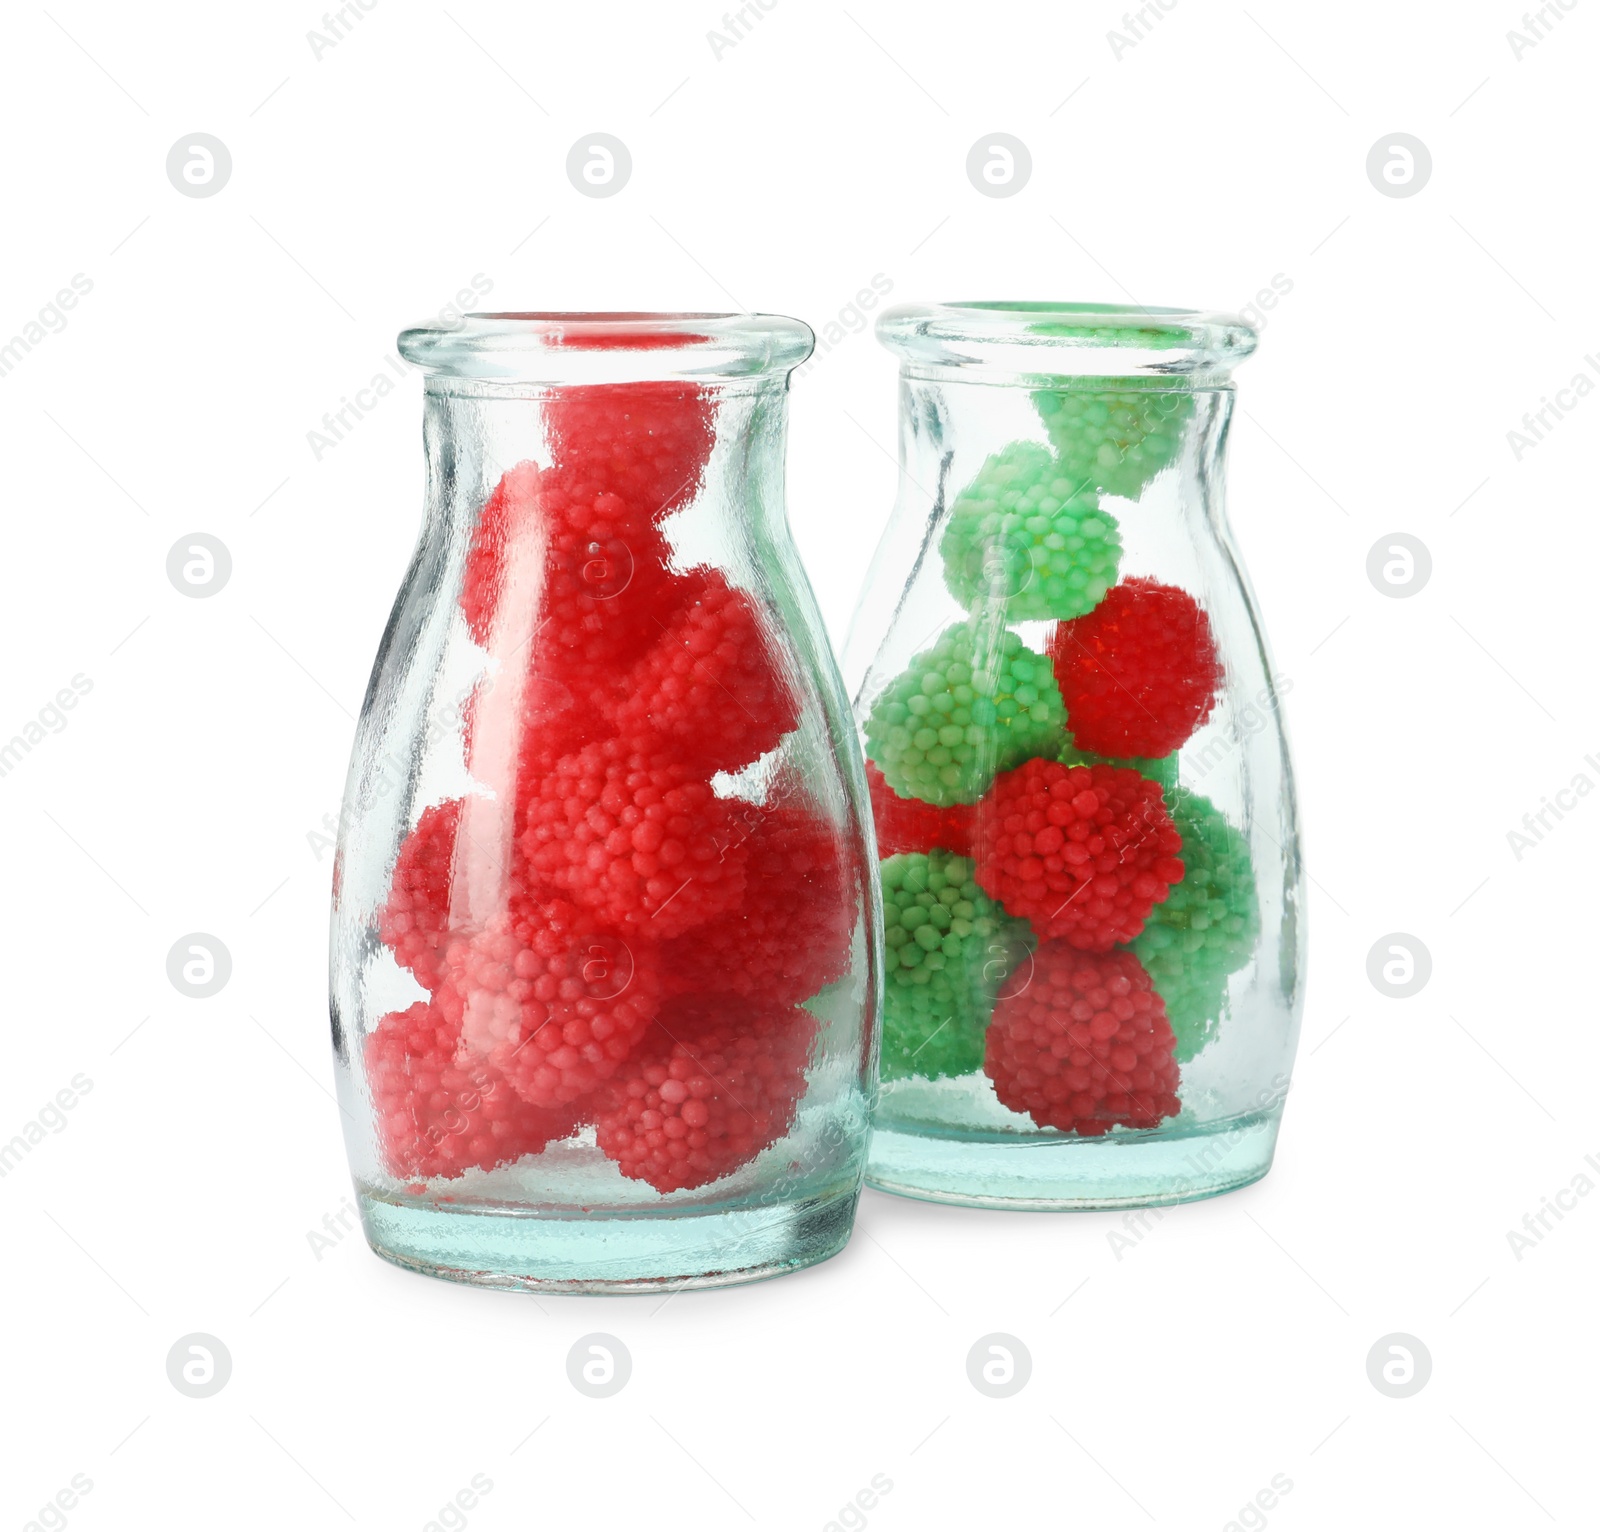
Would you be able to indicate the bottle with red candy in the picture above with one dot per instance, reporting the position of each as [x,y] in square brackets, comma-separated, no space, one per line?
[603,969]
[1089,860]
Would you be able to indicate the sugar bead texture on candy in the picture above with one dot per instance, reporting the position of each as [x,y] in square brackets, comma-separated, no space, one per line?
[1140,673]
[646,441]
[635,837]
[549,1000]
[414,920]
[948,947]
[908,824]
[1115,440]
[1086,1046]
[437,1117]
[712,684]
[791,934]
[1083,853]
[713,1083]
[1024,538]
[977,702]
[593,565]
[1208,927]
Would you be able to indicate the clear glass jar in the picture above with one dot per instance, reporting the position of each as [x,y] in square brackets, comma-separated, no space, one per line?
[1081,785]
[604,949]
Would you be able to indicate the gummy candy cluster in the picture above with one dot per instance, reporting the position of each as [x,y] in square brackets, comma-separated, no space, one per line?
[609,941]
[1060,914]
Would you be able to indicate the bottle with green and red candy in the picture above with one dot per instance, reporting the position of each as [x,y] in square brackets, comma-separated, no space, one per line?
[607,940]
[1060,914]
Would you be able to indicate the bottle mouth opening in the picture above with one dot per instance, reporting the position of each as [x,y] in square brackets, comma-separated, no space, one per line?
[556,349]
[1024,341]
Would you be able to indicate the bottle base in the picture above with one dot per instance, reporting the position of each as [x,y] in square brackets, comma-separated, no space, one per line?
[1060,1174]
[532,1251]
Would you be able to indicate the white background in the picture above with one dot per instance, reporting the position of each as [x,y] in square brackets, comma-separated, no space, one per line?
[1173,1377]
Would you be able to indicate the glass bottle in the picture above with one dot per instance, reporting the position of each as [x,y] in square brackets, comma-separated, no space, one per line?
[604,945]
[1079,775]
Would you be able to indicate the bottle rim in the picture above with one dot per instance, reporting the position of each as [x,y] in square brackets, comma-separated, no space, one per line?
[1034,342]
[586,347]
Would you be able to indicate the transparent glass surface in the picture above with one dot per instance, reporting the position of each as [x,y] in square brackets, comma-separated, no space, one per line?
[1084,806]
[604,957]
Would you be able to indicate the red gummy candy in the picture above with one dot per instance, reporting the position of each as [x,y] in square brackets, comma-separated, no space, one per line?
[1086,1046]
[647,442]
[791,934]
[1083,852]
[568,570]
[551,1002]
[714,1083]
[713,685]
[415,918]
[909,824]
[632,835]
[1140,673]
[435,1117]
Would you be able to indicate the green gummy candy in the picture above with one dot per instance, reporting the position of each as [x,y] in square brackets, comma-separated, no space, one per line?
[1208,925]
[1115,440]
[978,702]
[1026,537]
[947,947]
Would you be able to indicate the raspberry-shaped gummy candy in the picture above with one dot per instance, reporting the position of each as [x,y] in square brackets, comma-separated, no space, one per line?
[1140,673]
[1208,927]
[1086,1046]
[1083,853]
[634,837]
[948,946]
[714,1083]
[1117,440]
[435,1117]
[1024,536]
[909,824]
[977,702]
[647,442]
[550,1001]
[572,572]
[791,934]
[415,919]
[712,684]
